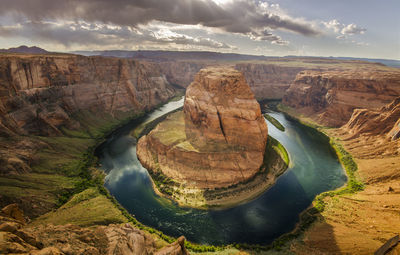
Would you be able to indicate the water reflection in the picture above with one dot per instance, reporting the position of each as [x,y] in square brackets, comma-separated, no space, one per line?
[314,169]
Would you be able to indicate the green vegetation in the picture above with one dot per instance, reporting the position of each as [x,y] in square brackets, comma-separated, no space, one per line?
[163,183]
[64,175]
[274,122]
[36,188]
[146,127]
[354,184]
[85,209]
[275,145]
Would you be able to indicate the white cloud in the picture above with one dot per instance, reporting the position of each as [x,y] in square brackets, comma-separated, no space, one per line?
[334,25]
[350,29]
[353,29]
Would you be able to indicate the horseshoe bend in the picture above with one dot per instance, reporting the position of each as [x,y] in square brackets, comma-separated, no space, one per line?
[214,152]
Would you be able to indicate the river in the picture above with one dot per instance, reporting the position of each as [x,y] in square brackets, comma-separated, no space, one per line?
[314,169]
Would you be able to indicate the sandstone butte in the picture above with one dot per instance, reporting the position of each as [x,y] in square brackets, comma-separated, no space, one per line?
[217,141]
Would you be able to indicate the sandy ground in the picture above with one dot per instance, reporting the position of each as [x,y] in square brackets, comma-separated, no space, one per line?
[360,223]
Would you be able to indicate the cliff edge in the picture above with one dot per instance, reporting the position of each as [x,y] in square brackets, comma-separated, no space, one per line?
[330,97]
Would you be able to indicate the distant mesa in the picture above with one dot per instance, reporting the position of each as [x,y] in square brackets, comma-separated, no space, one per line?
[217,141]
[25,49]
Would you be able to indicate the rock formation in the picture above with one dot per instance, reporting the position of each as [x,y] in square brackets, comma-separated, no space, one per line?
[218,140]
[52,108]
[181,73]
[48,94]
[330,97]
[384,121]
[268,81]
[40,94]
[125,239]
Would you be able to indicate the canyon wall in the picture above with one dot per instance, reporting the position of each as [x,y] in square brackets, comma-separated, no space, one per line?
[384,121]
[40,94]
[268,81]
[330,97]
[61,94]
[181,73]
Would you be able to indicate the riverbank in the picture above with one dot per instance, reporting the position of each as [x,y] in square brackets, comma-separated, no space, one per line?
[364,205]
[159,234]
[276,161]
[78,190]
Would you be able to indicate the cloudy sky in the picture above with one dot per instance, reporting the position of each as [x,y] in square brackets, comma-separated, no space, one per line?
[356,28]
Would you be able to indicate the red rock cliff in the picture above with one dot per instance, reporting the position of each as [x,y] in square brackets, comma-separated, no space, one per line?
[220,108]
[268,81]
[218,141]
[385,121]
[39,94]
[330,97]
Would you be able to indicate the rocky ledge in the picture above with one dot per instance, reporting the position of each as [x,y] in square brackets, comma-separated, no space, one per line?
[18,237]
[217,142]
[385,121]
[330,97]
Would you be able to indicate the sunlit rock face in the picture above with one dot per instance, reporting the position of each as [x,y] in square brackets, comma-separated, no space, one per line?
[218,140]
[220,109]
[39,94]
[385,121]
[52,94]
[331,96]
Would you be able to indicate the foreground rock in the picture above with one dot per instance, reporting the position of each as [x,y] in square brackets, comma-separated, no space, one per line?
[218,141]
[124,239]
[330,97]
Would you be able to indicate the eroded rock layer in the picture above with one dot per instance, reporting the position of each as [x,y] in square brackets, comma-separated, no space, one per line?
[40,93]
[17,237]
[218,140]
[268,81]
[385,121]
[53,107]
[330,97]
[220,108]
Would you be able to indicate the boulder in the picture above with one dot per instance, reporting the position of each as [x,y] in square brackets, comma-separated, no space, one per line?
[13,211]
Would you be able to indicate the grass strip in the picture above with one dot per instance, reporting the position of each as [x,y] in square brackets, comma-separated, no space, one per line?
[274,122]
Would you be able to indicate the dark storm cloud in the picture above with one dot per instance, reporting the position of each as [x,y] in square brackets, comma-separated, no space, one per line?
[83,33]
[244,16]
